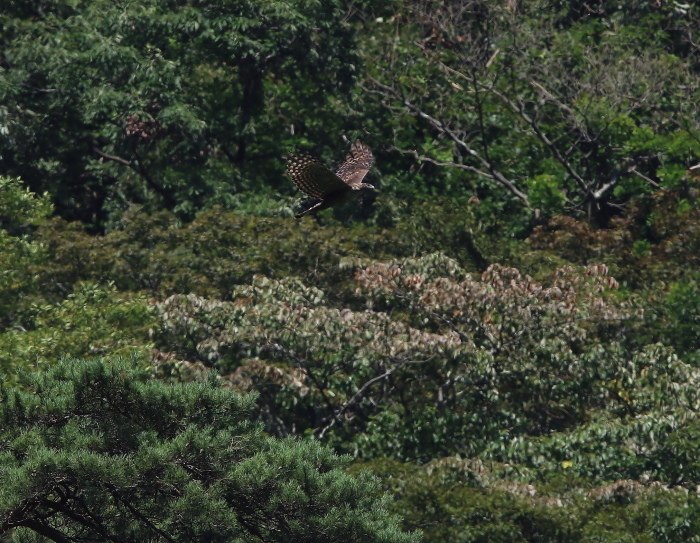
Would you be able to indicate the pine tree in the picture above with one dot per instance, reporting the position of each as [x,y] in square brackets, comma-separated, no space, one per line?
[97,451]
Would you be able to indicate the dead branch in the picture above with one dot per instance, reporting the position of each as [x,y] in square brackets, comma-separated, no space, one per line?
[442,128]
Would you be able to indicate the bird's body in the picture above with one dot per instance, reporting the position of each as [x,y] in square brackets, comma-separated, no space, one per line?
[332,189]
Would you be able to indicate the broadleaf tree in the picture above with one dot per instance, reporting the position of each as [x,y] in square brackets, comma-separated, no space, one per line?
[549,109]
[173,104]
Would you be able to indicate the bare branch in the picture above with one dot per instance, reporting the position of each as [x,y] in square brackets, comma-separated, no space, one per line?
[114,491]
[598,194]
[361,392]
[113,158]
[275,347]
[493,57]
[441,127]
[422,158]
[647,179]
[138,167]
[529,120]
[561,105]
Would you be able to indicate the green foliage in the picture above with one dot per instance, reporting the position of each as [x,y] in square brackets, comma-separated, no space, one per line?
[654,242]
[683,306]
[92,320]
[652,250]
[219,249]
[561,377]
[93,449]
[545,194]
[20,207]
[452,499]
[17,280]
[173,104]
[441,362]
[84,295]
[21,211]
[549,388]
[576,114]
[678,461]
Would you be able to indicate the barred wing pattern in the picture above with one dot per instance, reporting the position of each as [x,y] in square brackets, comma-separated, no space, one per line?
[332,189]
[312,177]
[356,165]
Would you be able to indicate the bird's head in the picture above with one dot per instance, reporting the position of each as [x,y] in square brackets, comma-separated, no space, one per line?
[364,186]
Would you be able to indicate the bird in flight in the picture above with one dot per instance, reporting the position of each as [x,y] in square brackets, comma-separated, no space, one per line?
[332,189]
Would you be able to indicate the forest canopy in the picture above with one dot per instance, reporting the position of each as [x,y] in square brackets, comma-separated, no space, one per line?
[501,343]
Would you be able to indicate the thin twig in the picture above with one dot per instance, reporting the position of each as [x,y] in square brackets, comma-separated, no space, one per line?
[439,125]
[422,158]
[647,179]
[360,393]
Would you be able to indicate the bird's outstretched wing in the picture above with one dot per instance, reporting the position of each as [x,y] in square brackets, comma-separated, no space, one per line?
[312,177]
[356,165]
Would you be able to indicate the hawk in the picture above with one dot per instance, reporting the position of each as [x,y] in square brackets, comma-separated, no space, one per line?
[313,178]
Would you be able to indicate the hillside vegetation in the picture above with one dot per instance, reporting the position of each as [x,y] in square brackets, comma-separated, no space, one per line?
[501,343]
